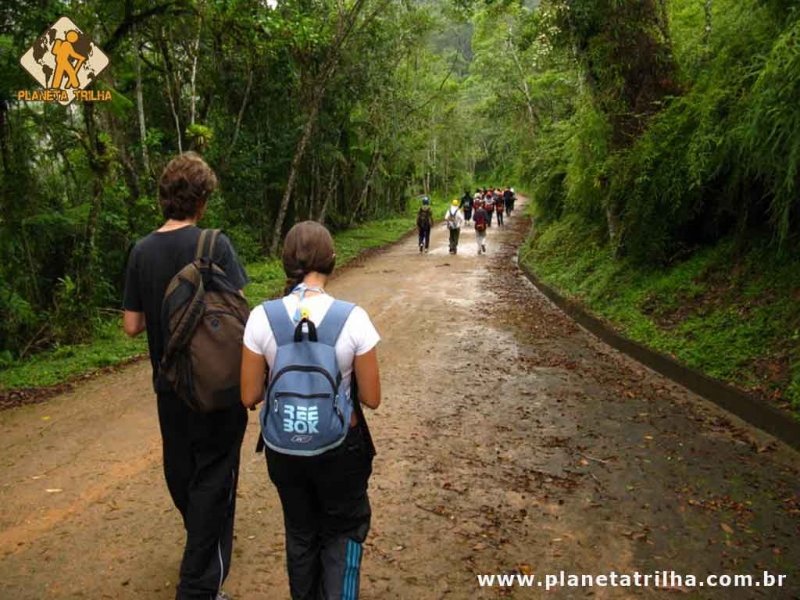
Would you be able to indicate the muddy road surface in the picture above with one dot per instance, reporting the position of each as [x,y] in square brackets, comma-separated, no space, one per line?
[510,441]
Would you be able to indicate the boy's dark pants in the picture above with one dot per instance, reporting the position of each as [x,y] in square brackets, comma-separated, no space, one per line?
[327,515]
[468,214]
[425,236]
[201,465]
[490,213]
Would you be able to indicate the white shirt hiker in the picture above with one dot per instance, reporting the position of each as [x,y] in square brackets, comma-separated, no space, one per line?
[358,337]
[456,215]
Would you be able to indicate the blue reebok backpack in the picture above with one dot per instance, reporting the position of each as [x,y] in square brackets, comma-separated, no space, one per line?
[306,412]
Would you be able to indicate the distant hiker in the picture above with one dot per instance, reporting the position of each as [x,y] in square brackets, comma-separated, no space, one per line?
[466,205]
[454,219]
[318,449]
[488,205]
[510,207]
[481,218]
[507,195]
[200,449]
[424,224]
[500,208]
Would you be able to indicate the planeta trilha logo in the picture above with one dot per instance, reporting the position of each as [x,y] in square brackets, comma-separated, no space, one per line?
[64,61]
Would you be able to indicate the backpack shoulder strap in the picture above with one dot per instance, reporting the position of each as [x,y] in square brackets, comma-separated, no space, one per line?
[184,291]
[206,244]
[282,326]
[333,322]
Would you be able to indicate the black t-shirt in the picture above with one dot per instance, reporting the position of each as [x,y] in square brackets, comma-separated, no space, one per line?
[154,261]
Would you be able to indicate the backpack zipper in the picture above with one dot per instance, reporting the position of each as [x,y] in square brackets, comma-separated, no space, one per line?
[279,395]
[308,369]
[304,396]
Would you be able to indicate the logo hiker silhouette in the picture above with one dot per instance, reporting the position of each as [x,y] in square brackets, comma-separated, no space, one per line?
[64,51]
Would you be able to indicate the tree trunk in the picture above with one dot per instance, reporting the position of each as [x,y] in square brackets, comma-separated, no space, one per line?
[367,182]
[613,223]
[532,114]
[174,99]
[193,103]
[434,165]
[240,117]
[330,190]
[37,296]
[140,107]
[120,141]
[344,29]
[313,197]
[446,175]
[293,170]
[4,153]
[83,268]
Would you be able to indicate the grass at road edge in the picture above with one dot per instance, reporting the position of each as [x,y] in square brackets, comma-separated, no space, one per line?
[728,310]
[111,347]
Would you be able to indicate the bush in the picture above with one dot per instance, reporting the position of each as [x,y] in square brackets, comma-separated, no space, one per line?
[18,322]
[74,320]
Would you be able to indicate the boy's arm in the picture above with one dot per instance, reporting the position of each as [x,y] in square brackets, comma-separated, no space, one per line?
[133,323]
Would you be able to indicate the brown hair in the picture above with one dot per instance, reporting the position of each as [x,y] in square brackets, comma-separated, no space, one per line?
[185,185]
[308,247]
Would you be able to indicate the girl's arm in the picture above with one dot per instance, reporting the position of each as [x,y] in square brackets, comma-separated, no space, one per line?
[365,369]
[254,368]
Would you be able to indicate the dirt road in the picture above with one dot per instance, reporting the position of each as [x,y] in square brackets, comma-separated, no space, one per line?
[509,440]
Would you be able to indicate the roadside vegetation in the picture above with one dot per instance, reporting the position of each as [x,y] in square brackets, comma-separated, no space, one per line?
[729,310]
[110,346]
[660,141]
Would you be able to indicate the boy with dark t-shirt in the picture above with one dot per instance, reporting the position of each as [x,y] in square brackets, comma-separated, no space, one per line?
[200,450]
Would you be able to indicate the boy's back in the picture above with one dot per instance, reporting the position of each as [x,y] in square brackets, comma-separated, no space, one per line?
[152,264]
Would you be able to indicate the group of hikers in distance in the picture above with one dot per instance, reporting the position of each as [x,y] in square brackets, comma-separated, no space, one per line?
[311,360]
[477,209]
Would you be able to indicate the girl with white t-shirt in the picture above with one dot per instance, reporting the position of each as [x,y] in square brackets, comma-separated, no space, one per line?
[325,505]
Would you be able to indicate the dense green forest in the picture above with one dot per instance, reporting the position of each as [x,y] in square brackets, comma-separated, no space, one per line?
[659,140]
[324,110]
